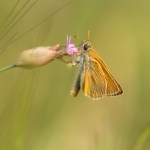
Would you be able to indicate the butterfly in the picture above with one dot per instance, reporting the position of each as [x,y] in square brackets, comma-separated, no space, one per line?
[93,75]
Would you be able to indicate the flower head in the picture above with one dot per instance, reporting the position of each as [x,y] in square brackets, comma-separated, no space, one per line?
[70,48]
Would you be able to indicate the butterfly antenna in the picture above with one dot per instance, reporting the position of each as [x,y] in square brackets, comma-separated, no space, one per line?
[78,38]
[89,35]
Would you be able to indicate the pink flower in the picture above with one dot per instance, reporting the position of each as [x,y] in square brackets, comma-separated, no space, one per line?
[70,48]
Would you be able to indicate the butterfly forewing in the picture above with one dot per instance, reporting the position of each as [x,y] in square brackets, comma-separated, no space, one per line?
[112,86]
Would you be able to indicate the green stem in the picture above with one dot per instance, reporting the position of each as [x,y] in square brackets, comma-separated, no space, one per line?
[8,67]
[139,144]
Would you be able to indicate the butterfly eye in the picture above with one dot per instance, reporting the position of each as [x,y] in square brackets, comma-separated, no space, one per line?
[86,47]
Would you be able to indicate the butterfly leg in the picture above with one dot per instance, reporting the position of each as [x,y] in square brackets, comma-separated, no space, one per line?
[65,61]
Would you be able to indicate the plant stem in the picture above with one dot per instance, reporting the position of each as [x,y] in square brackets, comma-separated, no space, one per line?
[8,67]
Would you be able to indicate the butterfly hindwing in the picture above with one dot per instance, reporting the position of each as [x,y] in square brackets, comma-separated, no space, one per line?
[94,83]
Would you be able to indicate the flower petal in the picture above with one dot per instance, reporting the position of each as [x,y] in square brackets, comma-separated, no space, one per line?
[71,45]
[75,49]
[69,40]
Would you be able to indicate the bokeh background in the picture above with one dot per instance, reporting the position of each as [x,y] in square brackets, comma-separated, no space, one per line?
[36,109]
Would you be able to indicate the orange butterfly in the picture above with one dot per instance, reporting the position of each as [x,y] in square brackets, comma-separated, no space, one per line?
[93,76]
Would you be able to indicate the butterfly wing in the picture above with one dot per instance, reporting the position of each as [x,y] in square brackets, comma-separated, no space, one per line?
[98,81]
[113,87]
[94,83]
[77,83]
[76,86]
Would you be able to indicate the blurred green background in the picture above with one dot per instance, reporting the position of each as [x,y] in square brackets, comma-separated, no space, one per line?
[36,109]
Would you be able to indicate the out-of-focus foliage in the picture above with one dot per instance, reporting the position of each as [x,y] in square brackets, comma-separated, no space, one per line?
[36,109]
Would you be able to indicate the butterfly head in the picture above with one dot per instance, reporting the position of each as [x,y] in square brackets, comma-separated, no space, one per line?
[86,44]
